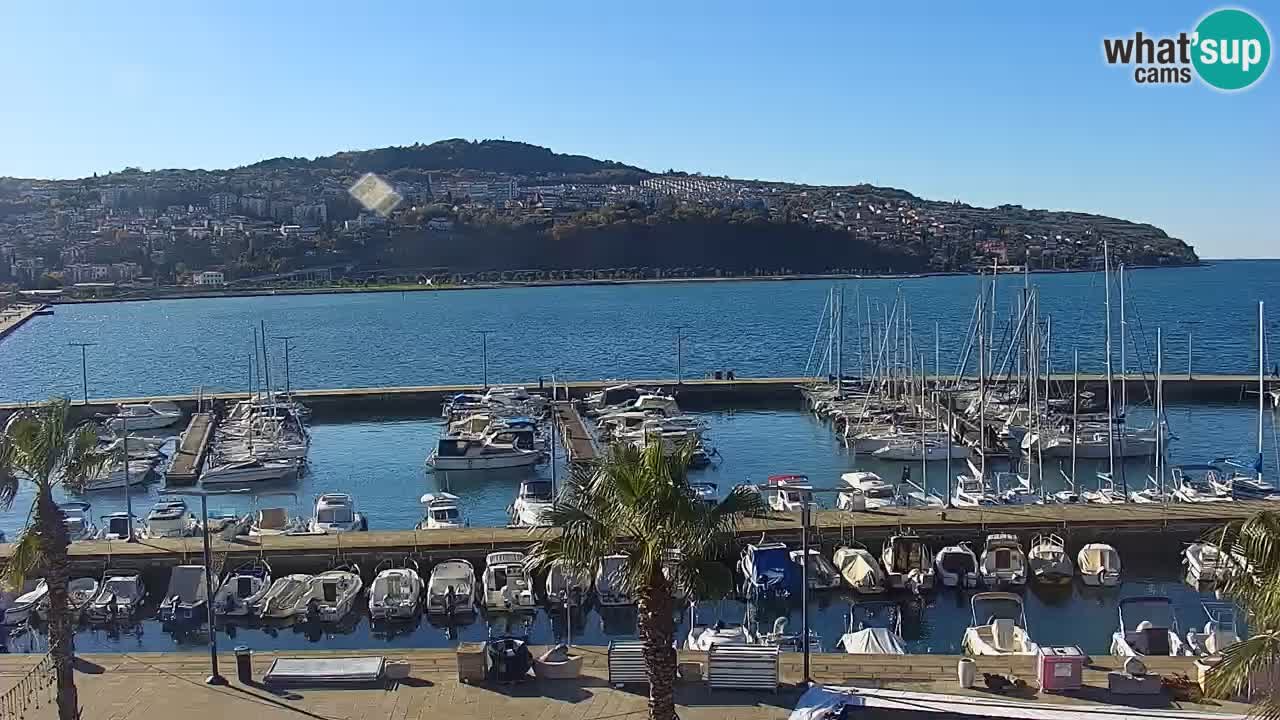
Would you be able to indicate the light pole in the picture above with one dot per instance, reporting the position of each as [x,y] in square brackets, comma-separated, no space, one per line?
[288,384]
[214,677]
[484,355]
[1191,325]
[84,367]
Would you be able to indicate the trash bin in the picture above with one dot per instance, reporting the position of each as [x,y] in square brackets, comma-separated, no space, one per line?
[244,665]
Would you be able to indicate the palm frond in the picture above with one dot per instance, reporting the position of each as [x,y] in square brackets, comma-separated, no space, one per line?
[1249,659]
[81,458]
[26,557]
[9,481]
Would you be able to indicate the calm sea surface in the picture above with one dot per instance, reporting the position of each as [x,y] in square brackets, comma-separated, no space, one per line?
[757,328]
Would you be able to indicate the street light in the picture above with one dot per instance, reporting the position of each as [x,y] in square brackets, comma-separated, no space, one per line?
[214,677]
[84,367]
[484,354]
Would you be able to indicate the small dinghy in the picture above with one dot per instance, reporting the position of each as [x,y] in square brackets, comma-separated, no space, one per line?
[957,566]
[80,592]
[1049,561]
[1204,564]
[396,592]
[185,599]
[451,589]
[242,589]
[565,588]
[333,593]
[1003,563]
[1099,565]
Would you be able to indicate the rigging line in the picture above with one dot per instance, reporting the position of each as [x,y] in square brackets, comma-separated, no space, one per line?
[817,333]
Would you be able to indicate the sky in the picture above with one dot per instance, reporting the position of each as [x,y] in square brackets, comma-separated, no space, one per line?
[985,102]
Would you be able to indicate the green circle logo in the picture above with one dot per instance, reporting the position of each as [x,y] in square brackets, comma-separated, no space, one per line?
[1232,49]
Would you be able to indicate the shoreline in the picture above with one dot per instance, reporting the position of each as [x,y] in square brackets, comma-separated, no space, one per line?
[501,285]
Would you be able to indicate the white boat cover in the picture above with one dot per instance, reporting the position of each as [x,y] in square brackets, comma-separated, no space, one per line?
[873,641]
[825,701]
[325,671]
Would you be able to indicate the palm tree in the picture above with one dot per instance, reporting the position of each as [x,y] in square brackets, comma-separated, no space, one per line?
[1253,584]
[639,503]
[37,447]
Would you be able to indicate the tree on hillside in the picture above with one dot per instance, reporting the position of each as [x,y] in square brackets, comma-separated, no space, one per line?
[640,503]
[38,448]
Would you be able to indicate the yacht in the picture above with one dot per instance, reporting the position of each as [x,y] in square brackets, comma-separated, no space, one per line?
[144,416]
[789,493]
[119,596]
[223,471]
[114,475]
[1049,561]
[24,605]
[908,564]
[396,592]
[76,518]
[533,503]
[185,599]
[973,491]
[451,588]
[875,628]
[333,593]
[1205,564]
[242,589]
[138,449]
[611,397]
[1147,627]
[493,451]
[822,574]
[873,490]
[860,570]
[169,519]
[957,566]
[610,582]
[1099,565]
[768,572]
[441,512]
[336,513]
[1003,563]
[506,585]
[999,626]
[565,588]
[1199,484]
[917,450]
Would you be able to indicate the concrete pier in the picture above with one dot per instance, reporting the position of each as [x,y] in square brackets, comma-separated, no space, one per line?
[193,444]
[579,442]
[14,317]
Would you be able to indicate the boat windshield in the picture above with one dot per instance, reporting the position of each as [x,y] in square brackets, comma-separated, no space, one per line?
[988,610]
[878,491]
[1157,611]
[444,514]
[540,490]
[334,515]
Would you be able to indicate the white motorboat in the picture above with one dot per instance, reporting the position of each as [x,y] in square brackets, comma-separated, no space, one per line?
[1205,564]
[506,584]
[875,628]
[1199,484]
[957,566]
[119,596]
[706,493]
[1151,493]
[115,526]
[452,588]
[973,491]
[789,493]
[242,589]
[1147,627]
[333,593]
[396,592]
[138,449]
[999,626]
[1099,565]
[76,518]
[860,570]
[336,513]
[487,453]
[1050,564]
[705,635]
[249,470]
[822,574]
[1220,632]
[533,503]
[908,564]
[114,475]
[870,487]
[80,592]
[612,397]
[274,521]
[169,519]
[648,403]
[566,588]
[24,606]
[442,511]
[144,416]
[610,582]
[1003,563]
[184,600]
[287,597]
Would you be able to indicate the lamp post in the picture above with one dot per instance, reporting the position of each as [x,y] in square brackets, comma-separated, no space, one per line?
[84,367]
[288,385]
[484,355]
[214,677]
[1191,325]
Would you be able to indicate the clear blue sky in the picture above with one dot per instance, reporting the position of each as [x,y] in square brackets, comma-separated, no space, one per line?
[986,102]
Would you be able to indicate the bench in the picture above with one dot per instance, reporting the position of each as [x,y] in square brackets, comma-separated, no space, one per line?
[742,667]
[626,663]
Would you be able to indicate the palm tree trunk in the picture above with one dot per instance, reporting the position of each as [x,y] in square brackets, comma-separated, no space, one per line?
[657,630]
[53,544]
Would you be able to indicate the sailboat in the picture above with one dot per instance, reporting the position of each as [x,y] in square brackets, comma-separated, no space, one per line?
[1244,482]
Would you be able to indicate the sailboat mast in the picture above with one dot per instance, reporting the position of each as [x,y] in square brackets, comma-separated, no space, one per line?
[1159,423]
[1262,393]
[1111,408]
[1075,413]
[1124,363]
[991,341]
[982,402]
[840,343]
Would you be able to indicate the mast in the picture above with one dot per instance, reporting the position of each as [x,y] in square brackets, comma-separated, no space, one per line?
[924,448]
[1159,423]
[982,403]
[1124,364]
[1111,408]
[1075,414]
[1261,383]
[991,341]
[839,321]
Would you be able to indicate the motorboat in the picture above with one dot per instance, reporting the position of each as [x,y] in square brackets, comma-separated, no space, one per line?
[451,588]
[707,493]
[789,493]
[248,470]
[822,574]
[1003,563]
[144,416]
[860,569]
[999,626]
[870,487]
[533,503]
[184,600]
[287,597]
[441,512]
[875,628]
[506,584]
[672,559]
[565,588]
[396,592]
[242,589]
[957,566]
[136,449]
[973,491]
[116,474]
[704,636]
[1099,565]
[612,397]
[1220,632]
[77,520]
[1245,482]
[274,521]
[610,582]
[336,513]
[1199,484]
[768,572]
[333,593]
[119,596]
[487,453]
[649,403]
[24,606]
[169,519]
[80,592]
[116,526]
[1148,627]
[908,564]
[1050,564]
[1151,493]
[779,637]
[1205,564]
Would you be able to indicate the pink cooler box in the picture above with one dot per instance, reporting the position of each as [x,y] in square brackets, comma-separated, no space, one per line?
[1059,668]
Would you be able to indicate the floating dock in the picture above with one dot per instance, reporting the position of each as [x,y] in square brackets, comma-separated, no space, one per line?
[193,444]
[577,439]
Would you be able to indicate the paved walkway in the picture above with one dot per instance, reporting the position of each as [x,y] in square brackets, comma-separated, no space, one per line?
[145,686]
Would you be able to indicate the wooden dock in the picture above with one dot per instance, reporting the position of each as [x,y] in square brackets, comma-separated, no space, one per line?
[193,444]
[1153,530]
[578,440]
